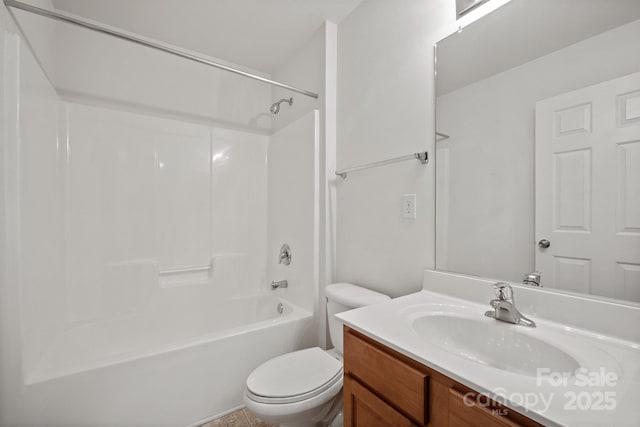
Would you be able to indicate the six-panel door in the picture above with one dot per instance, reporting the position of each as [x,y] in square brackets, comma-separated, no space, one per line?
[588,189]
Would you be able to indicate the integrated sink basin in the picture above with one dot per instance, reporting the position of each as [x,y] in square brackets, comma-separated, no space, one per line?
[493,343]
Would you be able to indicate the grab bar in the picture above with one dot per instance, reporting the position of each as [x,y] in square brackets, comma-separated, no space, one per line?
[188,269]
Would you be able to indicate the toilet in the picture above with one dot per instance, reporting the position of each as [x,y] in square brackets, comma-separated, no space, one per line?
[304,388]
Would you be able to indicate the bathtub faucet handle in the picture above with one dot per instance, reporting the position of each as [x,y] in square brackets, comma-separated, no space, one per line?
[280,284]
[284,257]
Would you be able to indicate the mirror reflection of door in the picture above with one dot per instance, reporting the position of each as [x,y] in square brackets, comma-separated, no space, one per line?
[590,216]
[541,103]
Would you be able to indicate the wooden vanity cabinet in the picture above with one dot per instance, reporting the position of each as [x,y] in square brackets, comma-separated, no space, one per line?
[385,388]
[367,409]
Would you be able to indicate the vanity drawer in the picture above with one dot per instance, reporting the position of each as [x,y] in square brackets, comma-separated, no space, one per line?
[403,386]
[493,415]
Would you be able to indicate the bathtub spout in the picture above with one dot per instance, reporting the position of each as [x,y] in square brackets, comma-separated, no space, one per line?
[280,284]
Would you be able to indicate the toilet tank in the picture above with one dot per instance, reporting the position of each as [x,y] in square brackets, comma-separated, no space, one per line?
[345,296]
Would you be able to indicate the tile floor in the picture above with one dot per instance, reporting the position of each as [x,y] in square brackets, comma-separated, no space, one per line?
[242,418]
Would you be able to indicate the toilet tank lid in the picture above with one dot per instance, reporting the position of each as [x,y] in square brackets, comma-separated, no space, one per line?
[353,296]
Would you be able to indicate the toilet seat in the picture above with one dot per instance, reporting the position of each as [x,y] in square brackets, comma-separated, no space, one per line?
[294,377]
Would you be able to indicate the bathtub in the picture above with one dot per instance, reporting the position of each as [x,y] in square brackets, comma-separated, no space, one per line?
[179,369]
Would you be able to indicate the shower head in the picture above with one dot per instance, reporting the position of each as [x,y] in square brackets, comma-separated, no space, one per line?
[275,108]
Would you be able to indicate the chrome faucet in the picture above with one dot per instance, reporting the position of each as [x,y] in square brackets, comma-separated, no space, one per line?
[280,284]
[532,279]
[504,307]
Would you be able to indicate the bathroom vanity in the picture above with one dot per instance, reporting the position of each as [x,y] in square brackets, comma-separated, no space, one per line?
[435,358]
[383,387]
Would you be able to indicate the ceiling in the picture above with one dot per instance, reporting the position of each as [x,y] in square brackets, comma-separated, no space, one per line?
[523,30]
[258,34]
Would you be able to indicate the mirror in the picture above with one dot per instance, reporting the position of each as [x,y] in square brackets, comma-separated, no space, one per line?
[465,6]
[538,146]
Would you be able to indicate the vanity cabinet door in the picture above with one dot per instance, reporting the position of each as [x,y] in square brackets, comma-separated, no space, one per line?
[464,415]
[403,386]
[362,408]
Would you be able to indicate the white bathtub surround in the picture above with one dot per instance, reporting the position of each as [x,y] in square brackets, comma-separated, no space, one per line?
[314,65]
[609,341]
[293,209]
[135,198]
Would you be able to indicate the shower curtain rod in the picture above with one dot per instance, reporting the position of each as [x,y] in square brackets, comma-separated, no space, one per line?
[177,52]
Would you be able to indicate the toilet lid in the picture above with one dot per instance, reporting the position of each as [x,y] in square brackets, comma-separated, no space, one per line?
[305,373]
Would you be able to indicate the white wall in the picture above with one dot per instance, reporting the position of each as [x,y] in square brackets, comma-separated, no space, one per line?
[386,109]
[486,189]
[304,69]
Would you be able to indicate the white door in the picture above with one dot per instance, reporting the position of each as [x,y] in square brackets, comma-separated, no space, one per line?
[588,189]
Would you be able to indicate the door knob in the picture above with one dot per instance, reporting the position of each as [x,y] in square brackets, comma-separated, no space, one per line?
[544,243]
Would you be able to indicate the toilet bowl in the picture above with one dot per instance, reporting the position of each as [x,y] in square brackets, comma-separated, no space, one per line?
[304,388]
[297,389]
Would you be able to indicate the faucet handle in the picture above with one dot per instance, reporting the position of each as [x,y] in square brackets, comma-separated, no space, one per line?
[503,291]
[284,257]
[532,279]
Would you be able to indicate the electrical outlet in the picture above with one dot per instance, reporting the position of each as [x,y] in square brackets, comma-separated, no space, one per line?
[409,206]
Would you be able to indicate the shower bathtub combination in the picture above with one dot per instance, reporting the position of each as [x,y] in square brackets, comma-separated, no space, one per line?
[145,201]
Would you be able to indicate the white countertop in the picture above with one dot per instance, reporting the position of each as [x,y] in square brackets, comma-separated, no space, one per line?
[390,323]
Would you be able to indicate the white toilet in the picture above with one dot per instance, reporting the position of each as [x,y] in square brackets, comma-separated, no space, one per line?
[303,388]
